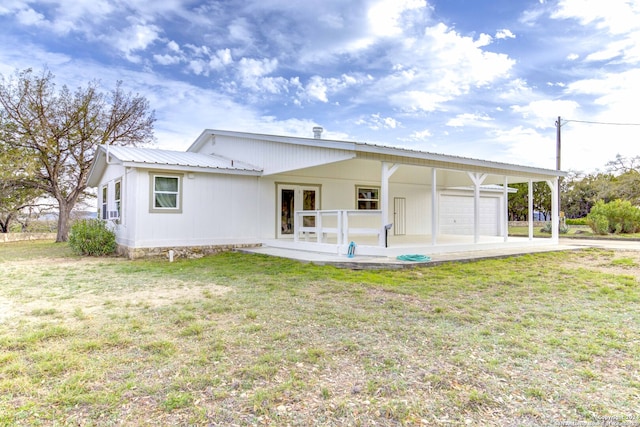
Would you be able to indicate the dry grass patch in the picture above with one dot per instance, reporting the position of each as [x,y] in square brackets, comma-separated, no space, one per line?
[248,340]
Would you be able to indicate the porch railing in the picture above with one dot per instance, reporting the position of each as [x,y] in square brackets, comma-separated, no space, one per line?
[343,224]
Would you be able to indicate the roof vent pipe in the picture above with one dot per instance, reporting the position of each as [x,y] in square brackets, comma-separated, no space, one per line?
[317,132]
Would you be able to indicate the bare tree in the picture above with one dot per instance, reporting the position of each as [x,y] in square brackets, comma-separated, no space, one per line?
[624,164]
[61,129]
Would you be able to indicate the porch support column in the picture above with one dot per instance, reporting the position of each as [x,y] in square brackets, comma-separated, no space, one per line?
[555,209]
[530,209]
[387,171]
[505,208]
[434,206]
[477,179]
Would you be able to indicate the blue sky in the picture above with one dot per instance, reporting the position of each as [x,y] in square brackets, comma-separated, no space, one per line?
[476,78]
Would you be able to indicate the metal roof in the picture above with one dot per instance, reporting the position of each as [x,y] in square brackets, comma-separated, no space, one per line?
[399,154]
[153,156]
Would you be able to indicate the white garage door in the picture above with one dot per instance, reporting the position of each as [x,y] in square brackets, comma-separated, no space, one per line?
[456,215]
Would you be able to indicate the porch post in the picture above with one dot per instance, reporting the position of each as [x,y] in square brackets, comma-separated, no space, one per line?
[555,209]
[530,209]
[434,206]
[387,171]
[505,209]
[477,180]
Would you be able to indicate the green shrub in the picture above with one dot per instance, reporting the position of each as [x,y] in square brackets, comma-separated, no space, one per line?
[576,221]
[619,216]
[91,237]
[599,223]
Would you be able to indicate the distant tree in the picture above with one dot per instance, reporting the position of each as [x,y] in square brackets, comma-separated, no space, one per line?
[581,192]
[14,196]
[519,202]
[61,129]
[624,164]
[621,181]
[626,185]
[542,199]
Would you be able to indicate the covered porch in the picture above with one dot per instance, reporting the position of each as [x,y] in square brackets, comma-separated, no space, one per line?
[380,232]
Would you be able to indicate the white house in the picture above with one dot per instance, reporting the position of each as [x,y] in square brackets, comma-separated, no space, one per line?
[235,189]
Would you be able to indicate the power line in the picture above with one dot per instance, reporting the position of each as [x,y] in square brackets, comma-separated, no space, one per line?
[600,123]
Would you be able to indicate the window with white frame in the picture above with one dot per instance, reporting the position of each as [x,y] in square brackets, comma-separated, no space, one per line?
[105,200]
[111,200]
[118,198]
[166,193]
[367,198]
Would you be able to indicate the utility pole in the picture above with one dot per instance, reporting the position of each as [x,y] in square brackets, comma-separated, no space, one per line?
[558,155]
[558,138]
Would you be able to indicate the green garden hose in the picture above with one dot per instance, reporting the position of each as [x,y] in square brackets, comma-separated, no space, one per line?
[414,258]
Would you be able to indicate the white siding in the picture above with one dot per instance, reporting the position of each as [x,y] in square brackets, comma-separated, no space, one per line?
[273,157]
[216,210]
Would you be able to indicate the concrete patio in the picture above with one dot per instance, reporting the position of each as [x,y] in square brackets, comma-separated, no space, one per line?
[391,262]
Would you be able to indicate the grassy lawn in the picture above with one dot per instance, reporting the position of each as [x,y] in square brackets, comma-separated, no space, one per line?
[239,339]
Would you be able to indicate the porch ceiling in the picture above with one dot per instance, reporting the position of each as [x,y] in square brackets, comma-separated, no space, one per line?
[496,171]
[414,171]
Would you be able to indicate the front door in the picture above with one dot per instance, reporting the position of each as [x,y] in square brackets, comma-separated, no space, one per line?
[399,216]
[292,198]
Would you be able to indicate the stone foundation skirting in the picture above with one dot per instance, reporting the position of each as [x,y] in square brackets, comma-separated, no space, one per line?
[180,252]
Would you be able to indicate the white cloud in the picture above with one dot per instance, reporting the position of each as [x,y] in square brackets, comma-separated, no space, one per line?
[136,37]
[505,34]
[377,121]
[483,40]
[468,119]
[316,89]
[173,46]
[252,71]
[385,16]
[619,20]
[444,65]
[239,30]
[221,59]
[543,113]
[9,7]
[30,17]
[421,135]
[516,91]
[167,59]
[319,88]
[527,146]
[413,101]
[617,17]
[618,92]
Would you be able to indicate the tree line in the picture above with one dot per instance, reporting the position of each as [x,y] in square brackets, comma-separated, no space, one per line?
[579,192]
